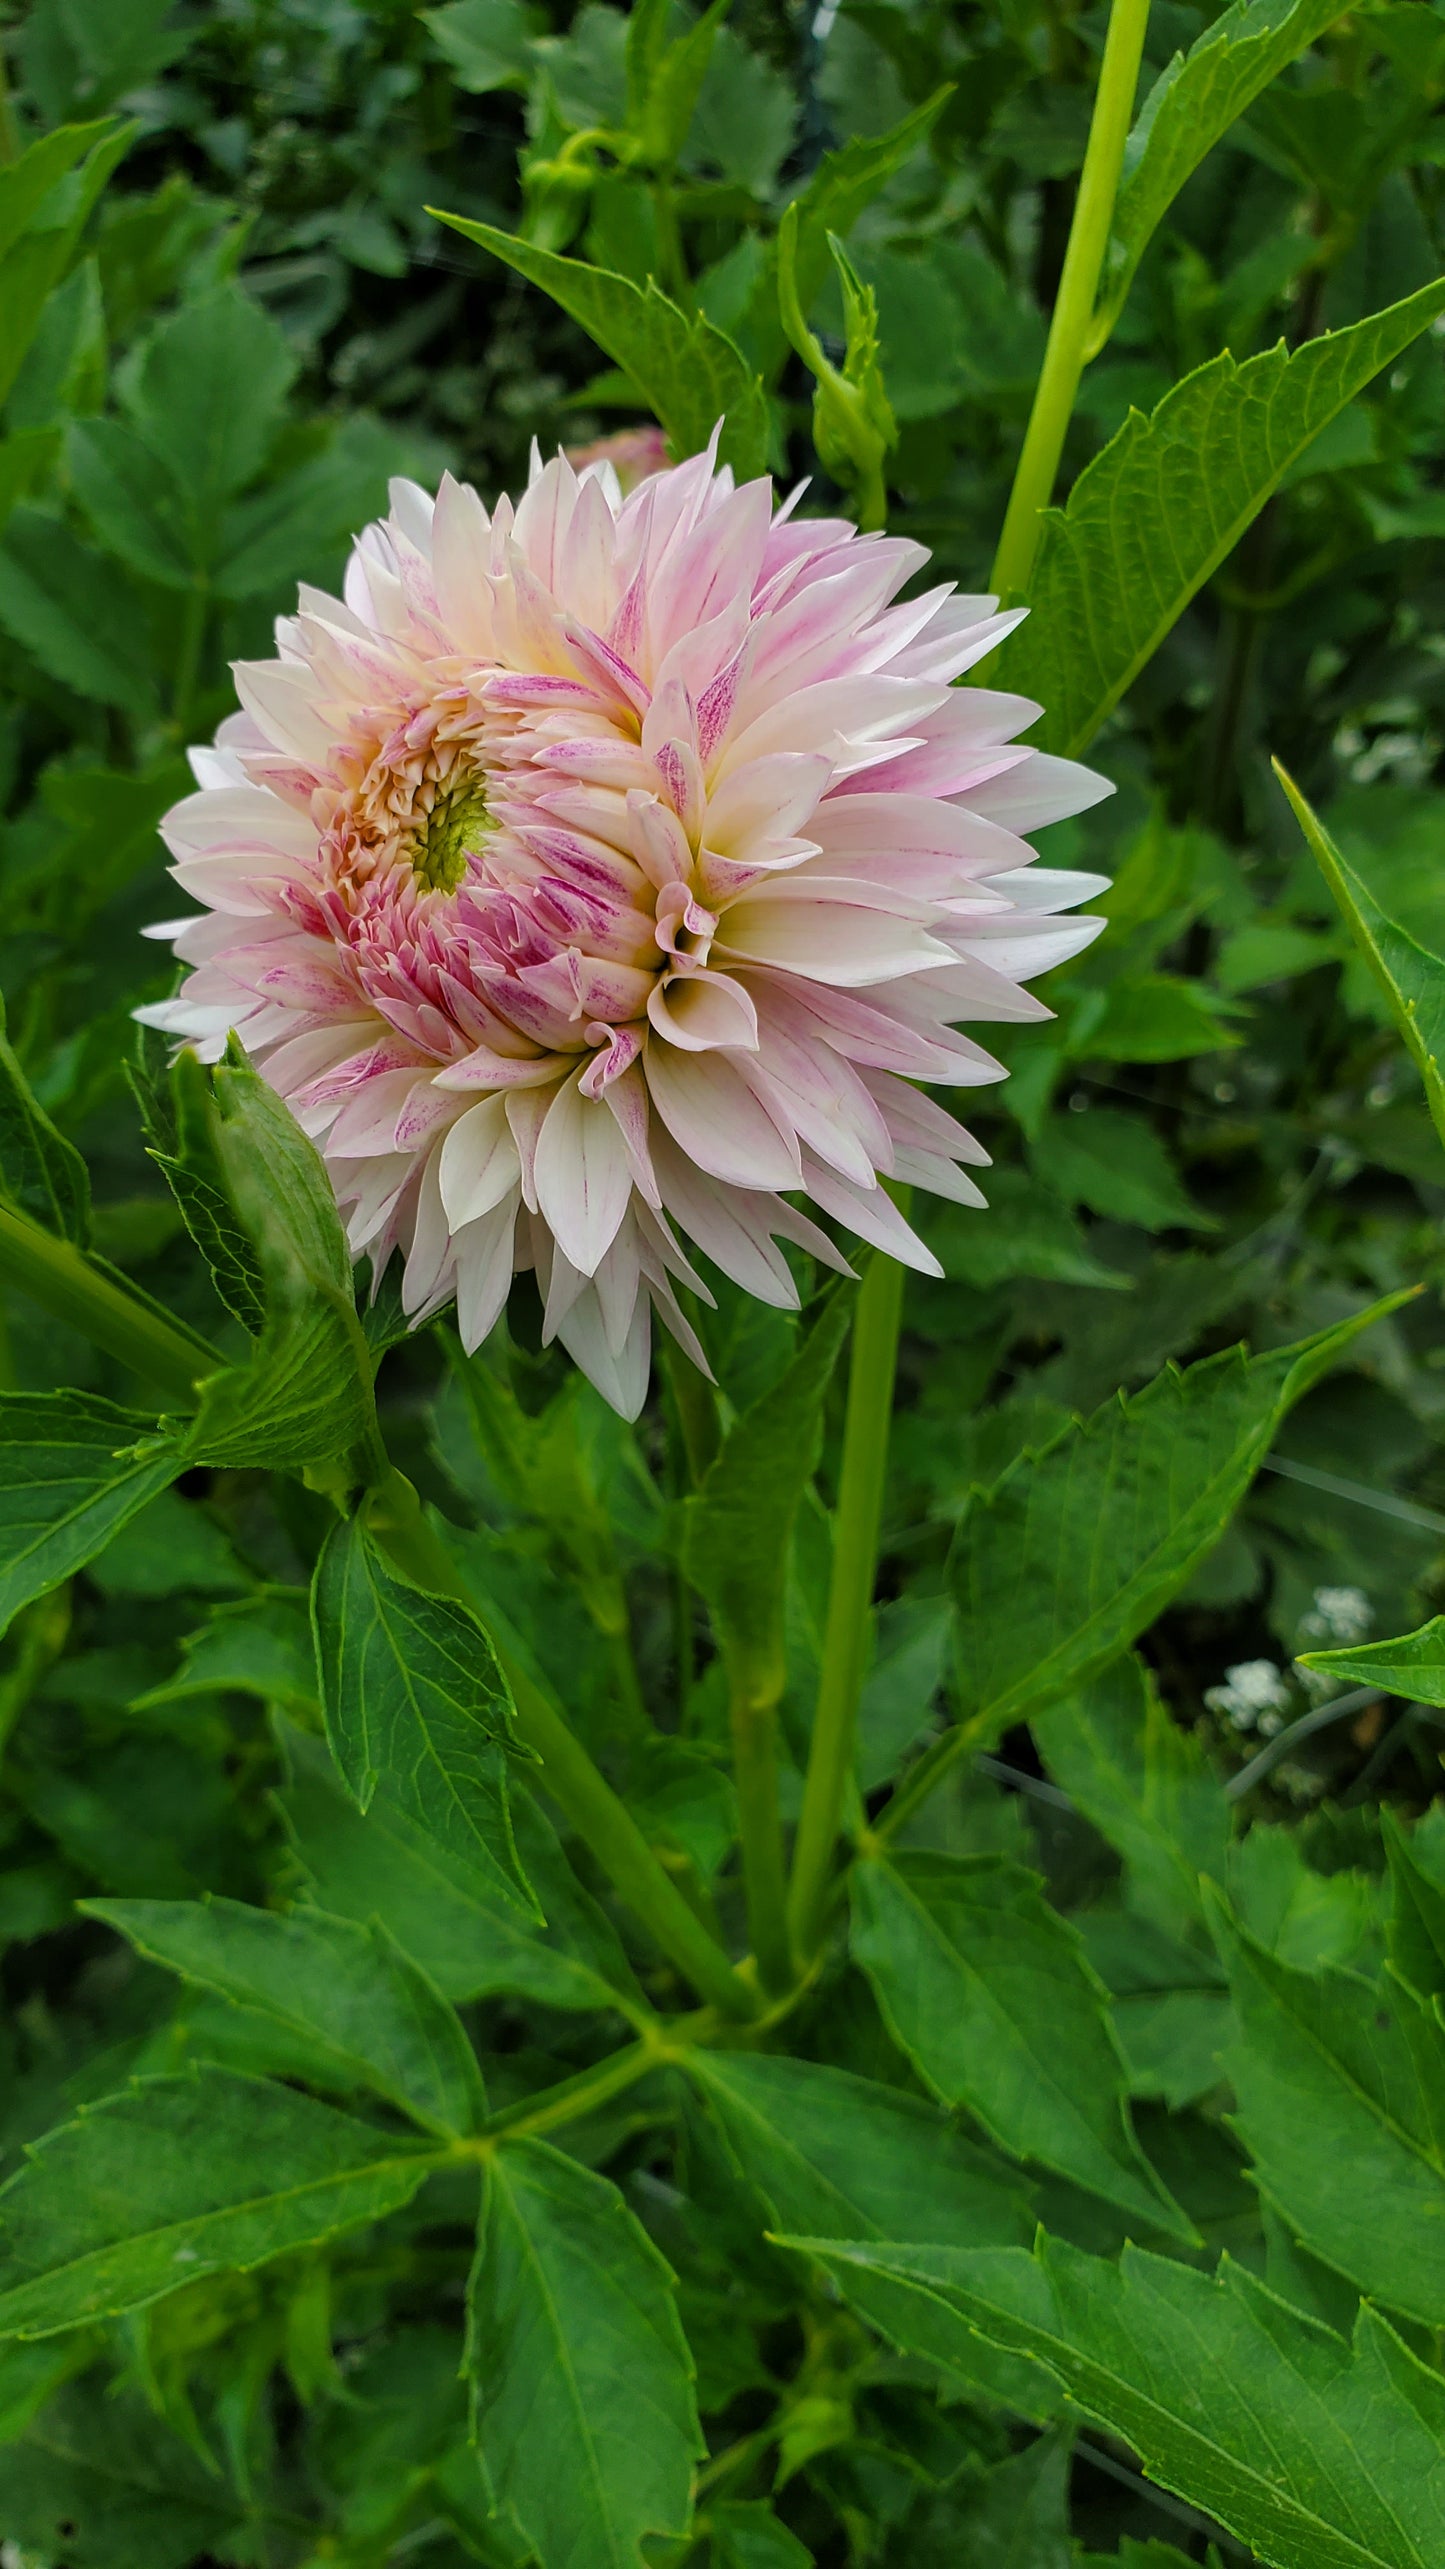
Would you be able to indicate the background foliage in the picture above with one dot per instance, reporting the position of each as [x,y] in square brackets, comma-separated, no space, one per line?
[1161,1958]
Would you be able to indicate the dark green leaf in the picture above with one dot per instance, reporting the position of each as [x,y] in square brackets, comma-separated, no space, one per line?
[1341,2088]
[258,1646]
[127,493]
[1146,1784]
[1402,952]
[126,2490]
[75,613]
[1316,2454]
[686,371]
[305,1395]
[416,1703]
[1417,1912]
[1077,1549]
[41,1173]
[209,396]
[1150,519]
[369,2015]
[1117,1165]
[1192,105]
[1019,2517]
[442,1908]
[176,2178]
[581,2376]
[987,1990]
[176,1108]
[488,43]
[72,1469]
[843,2157]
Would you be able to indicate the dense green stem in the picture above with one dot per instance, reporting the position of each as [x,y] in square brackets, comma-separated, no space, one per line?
[753,1712]
[602,1821]
[1069,331]
[70,1289]
[850,1596]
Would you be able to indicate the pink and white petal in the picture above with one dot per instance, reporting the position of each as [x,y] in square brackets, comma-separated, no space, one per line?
[622,1377]
[1043,789]
[479,1164]
[582,1176]
[714,1117]
[1028,943]
[939,1177]
[702,1011]
[874,1216]
[484,1253]
[835,942]
[1047,887]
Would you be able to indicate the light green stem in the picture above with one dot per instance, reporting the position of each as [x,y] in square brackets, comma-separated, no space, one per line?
[70,1289]
[571,2098]
[601,1820]
[753,1713]
[1069,331]
[856,1530]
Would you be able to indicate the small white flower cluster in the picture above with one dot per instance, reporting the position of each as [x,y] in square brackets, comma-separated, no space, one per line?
[1254,1695]
[1337,1617]
[1338,1614]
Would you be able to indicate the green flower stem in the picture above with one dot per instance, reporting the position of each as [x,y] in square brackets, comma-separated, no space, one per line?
[753,1714]
[850,1596]
[70,1289]
[602,1821]
[1070,330]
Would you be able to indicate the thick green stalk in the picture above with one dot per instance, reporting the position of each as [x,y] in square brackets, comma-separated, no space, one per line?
[1070,330]
[856,1530]
[753,1712]
[70,1289]
[601,1820]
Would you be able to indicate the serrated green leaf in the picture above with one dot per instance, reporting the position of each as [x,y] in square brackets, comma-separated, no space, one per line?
[581,2378]
[1018,2518]
[1417,1912]
[845,2157]
[487,43]
[687,372]
[208,397]
[987,1990]
[130,2493]
[43,211]
[845,183]
[1117,1165]
[738,1528]
[256,1646]
[415,1702]
[1150,519]
[1341,2089]
[1146,1784]
[75,612]
[176,1109]
[441,1908]
[1402,953]
[72,1469]
[176,2178]
[1317,2454]
[747,2535]
[1057,1569]
[368,2014]
[132,503]
[1191,106]
[40,1172]
[305,1396]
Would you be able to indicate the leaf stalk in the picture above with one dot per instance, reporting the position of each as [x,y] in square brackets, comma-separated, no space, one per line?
[872,1369]
[59,1277]
[1071,329]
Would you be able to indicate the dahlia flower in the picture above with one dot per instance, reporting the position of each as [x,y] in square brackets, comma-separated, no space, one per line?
[603,876]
